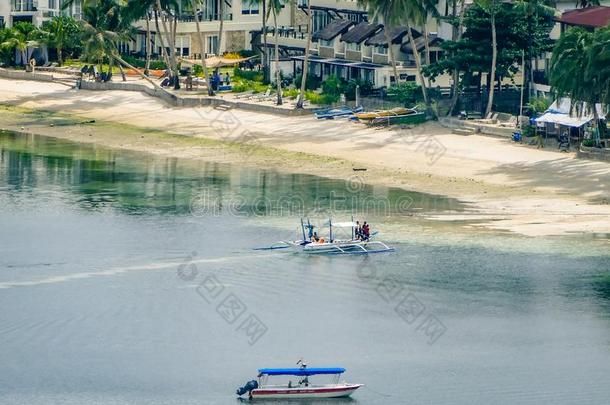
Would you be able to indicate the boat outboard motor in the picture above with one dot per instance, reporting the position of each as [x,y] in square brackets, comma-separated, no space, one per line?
[248,387]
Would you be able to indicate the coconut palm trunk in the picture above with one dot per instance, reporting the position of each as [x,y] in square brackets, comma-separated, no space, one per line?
[200,40]
[163,48]
[265,51]
[494,57]
[172,50]
[305,72]
[386,31]
[221,25]
[278,78]
[148,46]
[418,67]
[456,71]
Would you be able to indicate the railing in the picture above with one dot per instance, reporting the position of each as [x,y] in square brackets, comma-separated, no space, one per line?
[300,32]
[23,5]
[205,17]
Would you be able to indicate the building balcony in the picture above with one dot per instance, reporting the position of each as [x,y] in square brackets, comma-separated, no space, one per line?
[23,6]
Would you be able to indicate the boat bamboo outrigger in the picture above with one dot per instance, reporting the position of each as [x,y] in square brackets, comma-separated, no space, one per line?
[331,245]
[302,388]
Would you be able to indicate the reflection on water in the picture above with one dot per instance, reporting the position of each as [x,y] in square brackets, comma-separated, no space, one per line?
[116,269]
[135,183]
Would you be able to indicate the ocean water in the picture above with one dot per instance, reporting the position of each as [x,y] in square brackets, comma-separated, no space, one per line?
[132,279]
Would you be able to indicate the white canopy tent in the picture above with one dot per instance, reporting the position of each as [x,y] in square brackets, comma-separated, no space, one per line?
[559,113]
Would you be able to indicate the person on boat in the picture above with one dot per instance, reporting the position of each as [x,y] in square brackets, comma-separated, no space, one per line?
[366,231]
[358,231]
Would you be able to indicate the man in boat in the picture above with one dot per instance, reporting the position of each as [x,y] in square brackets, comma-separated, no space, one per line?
[366,231]
[316,238]
[358,231]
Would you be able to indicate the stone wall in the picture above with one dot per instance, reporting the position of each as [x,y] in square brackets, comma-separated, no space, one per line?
[235,41]
[22,75]
[586,152]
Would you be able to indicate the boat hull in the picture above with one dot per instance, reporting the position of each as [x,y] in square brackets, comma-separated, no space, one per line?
[305,392]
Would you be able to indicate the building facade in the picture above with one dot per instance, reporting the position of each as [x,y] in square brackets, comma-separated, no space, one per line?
[35,11]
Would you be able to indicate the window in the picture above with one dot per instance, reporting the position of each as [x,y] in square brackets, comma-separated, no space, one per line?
[249,7]
[212,44]
[382,50]
[324,42]
[303,3]
[52,4]
[353,47]
[320,20]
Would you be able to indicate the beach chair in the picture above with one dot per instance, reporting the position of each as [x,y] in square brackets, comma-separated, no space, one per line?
[246,94]
[259,97]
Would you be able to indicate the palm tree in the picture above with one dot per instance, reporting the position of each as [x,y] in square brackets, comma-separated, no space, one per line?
[385,12]
[171,9]
[275,6]
[59,32]
[221,23]
[579,70]
[20,37]
[304,73]
[490,6]
[195,4]
[456,73]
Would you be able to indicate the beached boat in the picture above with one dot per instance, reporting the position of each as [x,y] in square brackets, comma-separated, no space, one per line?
[413,118]
[331,113]
[394,112]
[331,245]
[300,389]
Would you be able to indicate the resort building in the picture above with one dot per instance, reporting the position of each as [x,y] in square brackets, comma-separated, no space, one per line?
[347,44]
[35,11]
[241,21]
[589,18]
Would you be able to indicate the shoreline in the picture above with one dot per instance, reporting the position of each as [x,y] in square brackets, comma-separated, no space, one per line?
[502,183]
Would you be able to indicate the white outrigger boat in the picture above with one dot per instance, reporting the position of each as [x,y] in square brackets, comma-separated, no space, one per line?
[261,389]
[331,246]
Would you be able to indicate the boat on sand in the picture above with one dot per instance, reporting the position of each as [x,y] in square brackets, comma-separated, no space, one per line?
[394,112]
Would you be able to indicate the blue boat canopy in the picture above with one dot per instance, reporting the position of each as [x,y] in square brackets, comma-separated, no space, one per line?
[301,371]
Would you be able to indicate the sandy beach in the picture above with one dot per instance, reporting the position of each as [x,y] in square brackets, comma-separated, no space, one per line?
[510,187]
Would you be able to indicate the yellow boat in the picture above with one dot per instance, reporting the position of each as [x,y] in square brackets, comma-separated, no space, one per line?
[384,113]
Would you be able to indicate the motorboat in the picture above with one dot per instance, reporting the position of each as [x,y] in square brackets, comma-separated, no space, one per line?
[311,244]
[264,388]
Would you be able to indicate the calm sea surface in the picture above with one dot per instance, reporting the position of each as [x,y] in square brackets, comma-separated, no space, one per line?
[131,279]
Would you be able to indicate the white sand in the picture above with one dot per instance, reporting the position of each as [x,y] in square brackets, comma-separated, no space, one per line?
[516,188]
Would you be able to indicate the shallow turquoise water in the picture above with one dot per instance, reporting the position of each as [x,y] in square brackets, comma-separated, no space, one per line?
[131,279]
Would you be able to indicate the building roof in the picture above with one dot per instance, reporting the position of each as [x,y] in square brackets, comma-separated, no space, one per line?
[420,43]
[334,28]
[596,16]
[396,36]
[360,32]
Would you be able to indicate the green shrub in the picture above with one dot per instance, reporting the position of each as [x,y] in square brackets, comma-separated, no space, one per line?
[589,143]
[320,99]
[407,93]
[311,83]
[141,63]
[291,93]
[529,131]
[253,75]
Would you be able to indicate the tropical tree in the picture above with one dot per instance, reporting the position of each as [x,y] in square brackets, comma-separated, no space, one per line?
[305,72]
[579,67]
[195,6]
[384,11]
[19,39]
[275,7]
[491,7]
[396,12]
[60,32]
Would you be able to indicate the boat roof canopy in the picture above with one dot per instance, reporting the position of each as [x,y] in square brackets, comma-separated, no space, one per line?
[344,224]
[301,371]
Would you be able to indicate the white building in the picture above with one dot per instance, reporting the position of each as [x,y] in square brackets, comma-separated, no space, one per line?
[34,11]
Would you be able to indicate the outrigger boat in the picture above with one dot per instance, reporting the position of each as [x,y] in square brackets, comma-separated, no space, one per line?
[261,389]
[331,245]
[394,112]
[331,113]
